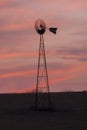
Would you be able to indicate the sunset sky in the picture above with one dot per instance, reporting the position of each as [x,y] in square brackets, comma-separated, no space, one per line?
[66,51]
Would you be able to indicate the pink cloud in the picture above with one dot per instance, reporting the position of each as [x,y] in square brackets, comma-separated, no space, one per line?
[58,76]
[17,74]
[18,39]
[79,5]
[67,74]
[15,26]
[17,54]
[7,3]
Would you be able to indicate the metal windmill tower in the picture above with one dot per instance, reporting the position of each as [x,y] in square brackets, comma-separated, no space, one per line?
[42,85]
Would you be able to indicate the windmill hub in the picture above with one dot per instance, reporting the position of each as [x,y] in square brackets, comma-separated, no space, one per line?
[40,26]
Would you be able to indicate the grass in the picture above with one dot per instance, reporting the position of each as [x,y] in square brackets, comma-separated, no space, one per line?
[69,112]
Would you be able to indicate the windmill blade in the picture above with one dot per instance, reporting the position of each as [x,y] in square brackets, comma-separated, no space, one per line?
[53,30]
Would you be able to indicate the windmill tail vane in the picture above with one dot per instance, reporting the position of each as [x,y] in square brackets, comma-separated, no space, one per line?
[53,30]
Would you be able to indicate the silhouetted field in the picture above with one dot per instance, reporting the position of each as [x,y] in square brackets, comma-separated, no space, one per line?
[69,112]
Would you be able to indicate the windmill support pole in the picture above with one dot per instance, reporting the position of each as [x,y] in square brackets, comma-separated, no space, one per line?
[42,75]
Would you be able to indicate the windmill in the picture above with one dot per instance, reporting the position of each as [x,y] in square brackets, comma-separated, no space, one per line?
[42,84]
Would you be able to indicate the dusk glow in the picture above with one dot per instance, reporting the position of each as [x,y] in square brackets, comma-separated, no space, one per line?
[66,51]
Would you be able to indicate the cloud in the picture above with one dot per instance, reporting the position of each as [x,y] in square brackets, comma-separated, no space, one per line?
[58,71]
[17,54]
[80,32]
[62,79]
[67,51]
[7,3]
[69,75]
[16,26]
[74,58]
[24,90]
[16,74]
[82,59]
[79,54]
[74,51]
[22,81]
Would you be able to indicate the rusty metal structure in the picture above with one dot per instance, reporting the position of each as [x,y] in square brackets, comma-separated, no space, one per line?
[42,94]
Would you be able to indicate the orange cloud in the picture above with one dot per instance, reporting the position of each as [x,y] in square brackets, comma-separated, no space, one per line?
[64,75]
[57,80]
[77,5]
[7,3]
[63,72]
[16,74]
[17,54]
[70,70]
[3,3]
[24,90]
[16,26]
[68,73]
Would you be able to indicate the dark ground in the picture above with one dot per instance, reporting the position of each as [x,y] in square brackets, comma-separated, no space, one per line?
[69,112]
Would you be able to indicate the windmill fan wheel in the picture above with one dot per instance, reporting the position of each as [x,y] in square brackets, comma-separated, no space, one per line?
[40,26]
